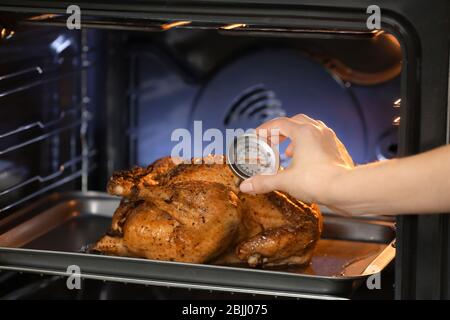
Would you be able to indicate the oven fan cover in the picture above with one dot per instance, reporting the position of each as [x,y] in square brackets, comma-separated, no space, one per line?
[270,83]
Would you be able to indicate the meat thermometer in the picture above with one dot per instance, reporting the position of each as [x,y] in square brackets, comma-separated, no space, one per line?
[248,155]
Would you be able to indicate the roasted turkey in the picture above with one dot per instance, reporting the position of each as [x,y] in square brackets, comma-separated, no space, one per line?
[195,213]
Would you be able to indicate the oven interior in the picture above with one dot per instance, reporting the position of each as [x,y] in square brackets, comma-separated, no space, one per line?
[79,104]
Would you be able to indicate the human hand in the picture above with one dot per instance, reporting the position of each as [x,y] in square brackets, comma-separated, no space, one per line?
[318,160]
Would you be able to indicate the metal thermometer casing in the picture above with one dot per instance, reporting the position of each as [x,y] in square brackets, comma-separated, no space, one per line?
[249,155]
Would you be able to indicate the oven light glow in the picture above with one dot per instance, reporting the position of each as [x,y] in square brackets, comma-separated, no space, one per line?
[396,121]
[43,17]
[60,44]
[6,34]
[234,26]
[377,32]
[174,24]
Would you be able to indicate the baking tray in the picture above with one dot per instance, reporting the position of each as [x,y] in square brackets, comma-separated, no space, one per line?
[50,235]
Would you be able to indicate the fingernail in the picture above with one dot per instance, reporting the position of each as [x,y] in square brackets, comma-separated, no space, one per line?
[246,186]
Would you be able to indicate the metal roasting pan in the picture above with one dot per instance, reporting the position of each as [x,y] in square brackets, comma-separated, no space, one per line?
[49,235]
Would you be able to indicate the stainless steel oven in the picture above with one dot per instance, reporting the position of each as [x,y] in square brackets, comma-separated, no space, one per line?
[79,103]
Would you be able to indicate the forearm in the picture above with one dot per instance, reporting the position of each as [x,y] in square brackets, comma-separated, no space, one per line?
[416,184]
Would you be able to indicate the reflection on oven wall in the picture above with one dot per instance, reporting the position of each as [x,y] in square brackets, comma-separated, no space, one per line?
[251,86]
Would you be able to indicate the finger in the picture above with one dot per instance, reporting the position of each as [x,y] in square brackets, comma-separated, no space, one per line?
[263,183]
[322,123]
[271,136]
[282,128]
[303,118]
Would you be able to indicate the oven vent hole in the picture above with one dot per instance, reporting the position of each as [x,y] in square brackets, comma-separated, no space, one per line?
[256,103]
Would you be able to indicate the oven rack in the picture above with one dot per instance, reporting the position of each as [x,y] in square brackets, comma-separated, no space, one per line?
[41,137]
[58,125]
[43,125]
[40,71]
[39,178]
[44,179]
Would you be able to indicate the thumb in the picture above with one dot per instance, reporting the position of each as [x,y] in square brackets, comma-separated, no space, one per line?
[262,184]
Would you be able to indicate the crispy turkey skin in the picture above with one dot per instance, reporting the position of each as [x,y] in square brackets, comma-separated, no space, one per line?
[195,213]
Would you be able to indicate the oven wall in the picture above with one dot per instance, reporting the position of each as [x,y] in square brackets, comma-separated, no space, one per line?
[178,77]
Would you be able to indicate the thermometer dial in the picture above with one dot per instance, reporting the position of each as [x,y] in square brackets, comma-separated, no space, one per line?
[249,155]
